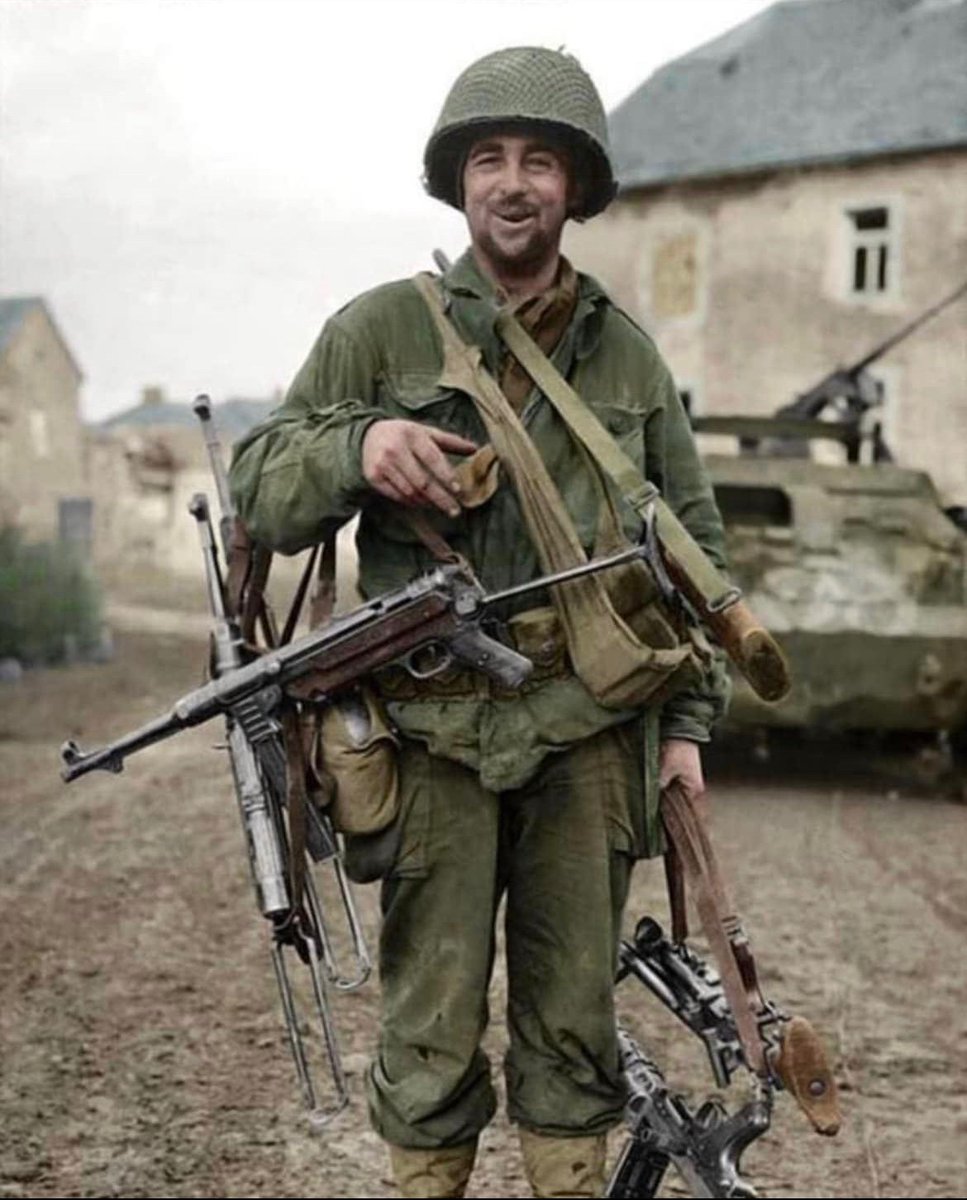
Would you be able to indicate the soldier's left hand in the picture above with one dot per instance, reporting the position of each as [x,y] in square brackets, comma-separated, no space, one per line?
[681,761]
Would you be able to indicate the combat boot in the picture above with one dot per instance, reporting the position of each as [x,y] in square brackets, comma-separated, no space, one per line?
[557,1166]
[441,1172]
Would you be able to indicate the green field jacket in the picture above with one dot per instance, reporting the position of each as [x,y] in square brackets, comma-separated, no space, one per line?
[298,475]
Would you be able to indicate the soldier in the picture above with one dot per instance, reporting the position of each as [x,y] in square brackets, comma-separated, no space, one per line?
[546,796]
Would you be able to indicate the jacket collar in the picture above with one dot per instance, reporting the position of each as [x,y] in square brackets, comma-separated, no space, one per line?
[474,301]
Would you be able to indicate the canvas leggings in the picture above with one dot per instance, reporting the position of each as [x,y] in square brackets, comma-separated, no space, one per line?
[561,848]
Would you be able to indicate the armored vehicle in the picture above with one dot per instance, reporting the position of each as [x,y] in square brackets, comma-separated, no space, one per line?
[856,567]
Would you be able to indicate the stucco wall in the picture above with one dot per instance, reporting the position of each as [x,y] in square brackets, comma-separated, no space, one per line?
[143,478]
[41,441]
[745,286]
[142,482]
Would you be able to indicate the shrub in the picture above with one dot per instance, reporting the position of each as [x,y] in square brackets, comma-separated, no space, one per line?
[50,607]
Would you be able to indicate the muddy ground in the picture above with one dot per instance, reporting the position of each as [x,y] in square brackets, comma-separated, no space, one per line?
[142,1047]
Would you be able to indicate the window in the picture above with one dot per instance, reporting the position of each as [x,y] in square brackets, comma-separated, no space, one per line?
[871,250]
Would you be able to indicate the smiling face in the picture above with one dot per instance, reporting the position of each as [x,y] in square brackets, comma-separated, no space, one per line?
[516,198]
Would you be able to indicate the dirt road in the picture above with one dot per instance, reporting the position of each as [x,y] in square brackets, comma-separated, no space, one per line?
[142,1047]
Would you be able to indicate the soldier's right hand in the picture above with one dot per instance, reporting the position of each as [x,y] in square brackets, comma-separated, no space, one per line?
[407,462]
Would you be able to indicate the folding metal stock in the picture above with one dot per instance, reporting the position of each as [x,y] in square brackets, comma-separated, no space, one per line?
[259,767]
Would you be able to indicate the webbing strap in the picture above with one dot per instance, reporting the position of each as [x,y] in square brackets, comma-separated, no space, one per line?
[642,495]
[618,668]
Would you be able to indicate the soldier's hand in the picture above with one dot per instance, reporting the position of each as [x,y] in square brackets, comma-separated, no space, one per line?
[680,761]
[407,462]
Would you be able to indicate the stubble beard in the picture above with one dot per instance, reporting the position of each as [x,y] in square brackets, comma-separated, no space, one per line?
[523,262]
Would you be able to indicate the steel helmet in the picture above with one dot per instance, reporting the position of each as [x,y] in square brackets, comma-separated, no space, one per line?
[523,86]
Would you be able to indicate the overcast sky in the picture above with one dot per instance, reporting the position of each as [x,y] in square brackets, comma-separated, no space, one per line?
[194,185]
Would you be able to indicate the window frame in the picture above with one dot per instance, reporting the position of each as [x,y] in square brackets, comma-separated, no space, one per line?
[879,248]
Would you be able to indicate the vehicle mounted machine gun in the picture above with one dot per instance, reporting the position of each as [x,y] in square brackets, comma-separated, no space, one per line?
[849,393]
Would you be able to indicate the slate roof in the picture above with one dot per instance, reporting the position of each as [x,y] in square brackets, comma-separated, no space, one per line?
[804,82]
[233,418]
[13,309]
[12,312]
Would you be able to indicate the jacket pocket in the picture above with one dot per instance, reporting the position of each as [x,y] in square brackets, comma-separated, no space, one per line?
[627,427]
[415,396]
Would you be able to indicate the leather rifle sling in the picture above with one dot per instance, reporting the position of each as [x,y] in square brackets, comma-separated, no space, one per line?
[238,567]
[246,573]
[728,943]
[297,801]
[802,1063]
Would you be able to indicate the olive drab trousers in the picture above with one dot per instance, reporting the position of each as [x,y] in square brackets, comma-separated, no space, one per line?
[561,848]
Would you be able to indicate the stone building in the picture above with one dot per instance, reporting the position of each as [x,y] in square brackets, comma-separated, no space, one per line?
[43,479]
[147,462]
[791,194]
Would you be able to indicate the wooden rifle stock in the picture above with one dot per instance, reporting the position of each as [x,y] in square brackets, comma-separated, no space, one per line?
[754,650]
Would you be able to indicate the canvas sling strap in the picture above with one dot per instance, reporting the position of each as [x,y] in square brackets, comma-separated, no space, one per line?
[801,1064]
[643,496]
[675,558]
[618,669]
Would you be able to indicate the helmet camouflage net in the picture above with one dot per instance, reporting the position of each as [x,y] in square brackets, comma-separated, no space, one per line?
[525,86]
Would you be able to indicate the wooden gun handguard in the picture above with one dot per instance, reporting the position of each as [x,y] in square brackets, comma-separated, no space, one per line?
[751,647]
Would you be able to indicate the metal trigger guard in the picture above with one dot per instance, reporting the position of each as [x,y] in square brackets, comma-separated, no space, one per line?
[444,660]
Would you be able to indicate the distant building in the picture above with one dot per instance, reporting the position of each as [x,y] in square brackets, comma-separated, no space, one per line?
[43,480]
[147,463]
[790,195]
[234,417]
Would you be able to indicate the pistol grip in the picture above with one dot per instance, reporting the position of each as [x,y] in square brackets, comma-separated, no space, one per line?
[475,648]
